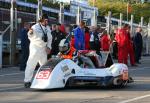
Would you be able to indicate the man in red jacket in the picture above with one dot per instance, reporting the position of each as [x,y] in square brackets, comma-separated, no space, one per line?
[122,40]
[130,48]
[105,41]
[87,38]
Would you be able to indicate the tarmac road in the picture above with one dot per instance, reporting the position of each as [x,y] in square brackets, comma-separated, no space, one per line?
[12,90]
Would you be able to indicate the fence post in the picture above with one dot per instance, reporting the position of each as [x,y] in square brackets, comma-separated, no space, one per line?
[147,43]
[78,16]
[131,24]
[120,21]
[94,18]
[142,20]
[109,22]
[39,10]
[61,13]
[1,48]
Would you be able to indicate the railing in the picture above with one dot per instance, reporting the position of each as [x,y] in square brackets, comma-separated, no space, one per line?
[1,44]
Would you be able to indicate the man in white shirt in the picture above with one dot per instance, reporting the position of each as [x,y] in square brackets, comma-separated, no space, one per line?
[40,45]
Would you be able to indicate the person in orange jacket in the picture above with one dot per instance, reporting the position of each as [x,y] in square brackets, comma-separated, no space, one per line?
[66,51]
[105,41]
[122,40]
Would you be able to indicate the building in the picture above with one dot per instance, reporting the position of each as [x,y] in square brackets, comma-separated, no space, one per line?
[87,13]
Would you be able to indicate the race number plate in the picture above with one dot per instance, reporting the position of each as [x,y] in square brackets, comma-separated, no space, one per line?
[44,74]
[125,75]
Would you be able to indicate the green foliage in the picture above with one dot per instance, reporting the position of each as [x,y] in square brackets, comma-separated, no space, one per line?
[50,3]
[120,6]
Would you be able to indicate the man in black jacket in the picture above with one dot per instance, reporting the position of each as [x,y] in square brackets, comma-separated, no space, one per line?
[138,43]
[24,46]
[57,36]
[94,40]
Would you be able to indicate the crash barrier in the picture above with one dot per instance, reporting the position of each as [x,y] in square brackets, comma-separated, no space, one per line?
[107,58]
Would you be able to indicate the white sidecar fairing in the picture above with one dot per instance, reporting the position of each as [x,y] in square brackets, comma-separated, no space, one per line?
[58,73]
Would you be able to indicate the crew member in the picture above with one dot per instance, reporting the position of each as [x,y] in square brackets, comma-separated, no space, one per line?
[122,40]
[40,45]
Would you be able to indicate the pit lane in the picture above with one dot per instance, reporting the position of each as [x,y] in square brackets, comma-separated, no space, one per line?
[12,90]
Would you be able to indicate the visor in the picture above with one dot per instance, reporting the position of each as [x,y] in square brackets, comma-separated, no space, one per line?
[63,48]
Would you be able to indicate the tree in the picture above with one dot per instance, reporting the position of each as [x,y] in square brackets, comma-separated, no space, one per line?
[120,6]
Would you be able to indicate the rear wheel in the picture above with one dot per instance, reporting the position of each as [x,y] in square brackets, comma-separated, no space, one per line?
[119,82]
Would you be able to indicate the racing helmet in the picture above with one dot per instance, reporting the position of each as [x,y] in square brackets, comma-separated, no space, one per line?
[64,46]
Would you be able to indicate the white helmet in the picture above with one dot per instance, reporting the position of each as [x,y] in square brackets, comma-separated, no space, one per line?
[64,46]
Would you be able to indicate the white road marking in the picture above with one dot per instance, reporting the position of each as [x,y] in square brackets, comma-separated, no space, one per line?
[11,88]
[135,99]
[141,80]
[145,68]
[139,68]
[11,74]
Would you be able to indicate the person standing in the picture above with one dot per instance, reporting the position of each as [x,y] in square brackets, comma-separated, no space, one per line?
[68,32]
[40,45]
[122,40]
[130,48]
[87,38]
[95,41]
[79,36]
[72,39]
[105,41]
[24,46]
[57,35]
[138,43]
[53,27]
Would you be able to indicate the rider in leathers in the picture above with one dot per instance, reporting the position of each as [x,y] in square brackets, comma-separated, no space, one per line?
[69,52]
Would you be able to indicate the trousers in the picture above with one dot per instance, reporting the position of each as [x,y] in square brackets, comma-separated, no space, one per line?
[37,55]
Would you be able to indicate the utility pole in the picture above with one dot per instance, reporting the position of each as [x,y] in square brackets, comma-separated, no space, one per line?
[39,10]
[13,31]
[61,13]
